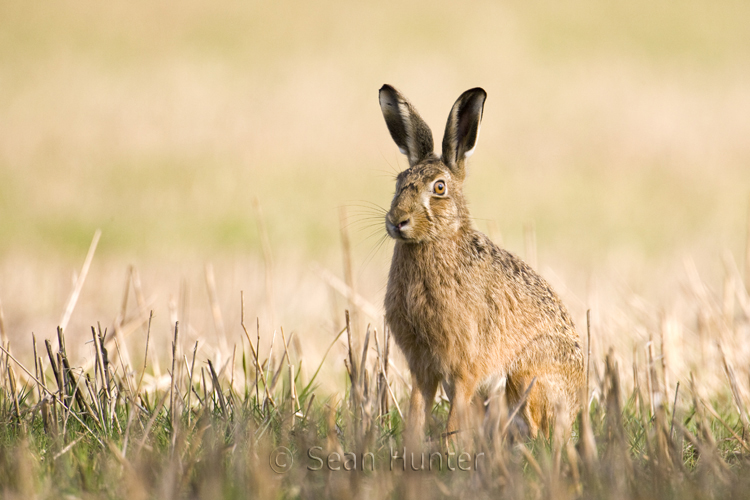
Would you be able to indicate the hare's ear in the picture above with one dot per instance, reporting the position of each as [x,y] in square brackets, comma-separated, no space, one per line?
[462,129]
[411,134]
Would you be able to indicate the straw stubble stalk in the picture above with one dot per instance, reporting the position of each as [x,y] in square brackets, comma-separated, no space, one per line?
[352,367]
[653,384]
[38,370]
[81,399]
[122,352]
[126,372]
[269,362]
[363,386]
[43,385]
[73,300]
[217,389]
[559,437]
[587,441]
[126,292]
[390,392]
[190,383]
[231,380]
[350,343]
[674,409]
[665,339]
[734,386]
[292,394]
[53,364]
[61,353]
[386,356]
[292,390]
[279,368]
[259,372]
[103,363]
[173,384]
[381,394]
[94,400]
[258,368]
[363,361]
[145,353]
[13,394]
[205,389]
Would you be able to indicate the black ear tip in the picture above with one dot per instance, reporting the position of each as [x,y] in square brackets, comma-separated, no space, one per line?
[478,92]
[472,94]
[387,96]
[473,97]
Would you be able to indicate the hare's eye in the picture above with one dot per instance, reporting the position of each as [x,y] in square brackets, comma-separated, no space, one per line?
[439,187]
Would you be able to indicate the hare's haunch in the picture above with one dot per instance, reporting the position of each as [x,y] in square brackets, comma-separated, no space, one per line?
[461,308]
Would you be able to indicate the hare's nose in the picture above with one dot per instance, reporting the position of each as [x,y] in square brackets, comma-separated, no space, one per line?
[401,225]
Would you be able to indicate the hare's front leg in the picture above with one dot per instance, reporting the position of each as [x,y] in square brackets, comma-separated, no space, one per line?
[420,406]
[461,392]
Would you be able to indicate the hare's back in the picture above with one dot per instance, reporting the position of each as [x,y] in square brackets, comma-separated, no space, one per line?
[524,292]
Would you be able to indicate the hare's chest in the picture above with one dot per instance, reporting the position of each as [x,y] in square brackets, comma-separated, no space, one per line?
[432,319]
[432,306]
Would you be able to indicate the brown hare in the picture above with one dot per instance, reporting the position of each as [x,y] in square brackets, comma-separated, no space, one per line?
[461,308]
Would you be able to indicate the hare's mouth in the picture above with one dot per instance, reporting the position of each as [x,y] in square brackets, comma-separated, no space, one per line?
[402,230]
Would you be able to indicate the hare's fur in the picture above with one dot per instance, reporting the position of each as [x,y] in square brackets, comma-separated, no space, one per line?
[461,308]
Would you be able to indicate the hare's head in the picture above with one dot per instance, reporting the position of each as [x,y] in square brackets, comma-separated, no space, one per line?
[429,201]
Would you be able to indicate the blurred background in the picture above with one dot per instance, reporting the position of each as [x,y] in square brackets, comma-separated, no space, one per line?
[615,154]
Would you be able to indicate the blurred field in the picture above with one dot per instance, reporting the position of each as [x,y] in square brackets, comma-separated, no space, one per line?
[615,133]
[617,125]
